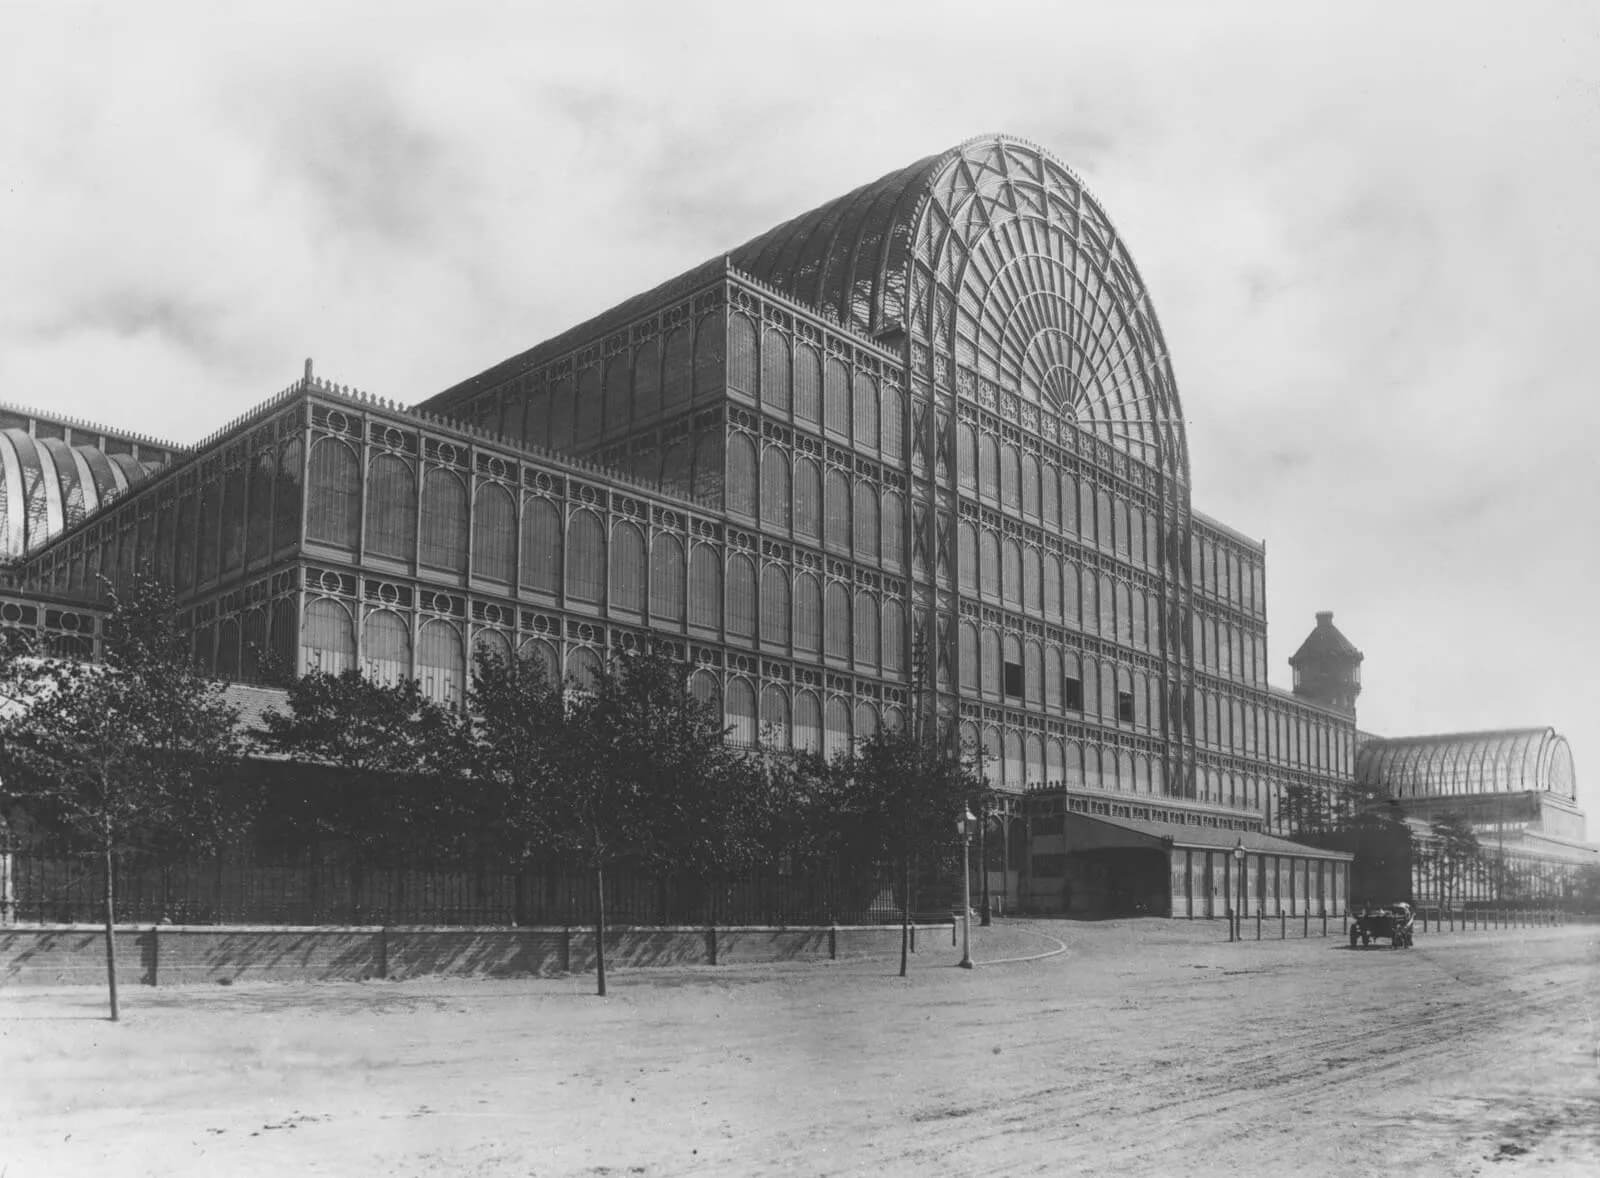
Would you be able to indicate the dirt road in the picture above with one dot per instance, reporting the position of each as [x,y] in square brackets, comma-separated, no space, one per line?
[1145,1048]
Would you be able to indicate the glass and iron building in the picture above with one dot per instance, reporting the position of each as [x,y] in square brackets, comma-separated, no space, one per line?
[919,447]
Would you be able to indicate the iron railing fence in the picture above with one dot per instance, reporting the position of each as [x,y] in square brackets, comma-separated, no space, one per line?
[69,888]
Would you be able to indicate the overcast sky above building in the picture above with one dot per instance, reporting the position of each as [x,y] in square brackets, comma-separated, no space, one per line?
[1369,231]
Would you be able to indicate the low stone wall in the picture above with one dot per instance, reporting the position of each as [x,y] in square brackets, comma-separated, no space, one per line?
[177,955]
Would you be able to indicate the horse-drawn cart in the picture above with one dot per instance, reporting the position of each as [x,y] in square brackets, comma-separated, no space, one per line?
[1393,923]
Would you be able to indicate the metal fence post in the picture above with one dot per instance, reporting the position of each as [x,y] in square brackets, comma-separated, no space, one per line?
[1258,924]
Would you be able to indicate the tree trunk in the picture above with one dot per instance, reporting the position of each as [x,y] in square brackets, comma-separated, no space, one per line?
[111,943]
[905,912]
[600,928]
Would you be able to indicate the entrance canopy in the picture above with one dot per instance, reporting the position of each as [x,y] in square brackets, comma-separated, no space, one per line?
[1089,832]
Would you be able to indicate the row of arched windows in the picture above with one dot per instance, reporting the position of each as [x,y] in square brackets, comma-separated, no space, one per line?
[1228,650]
[658,376]
[1015,760]
[1021,577]
[793,495]
[793,380]
[1044,677]
[1001,474]
[245,513]
[1223,573]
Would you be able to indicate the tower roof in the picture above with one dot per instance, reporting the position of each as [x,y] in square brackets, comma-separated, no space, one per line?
[1325,641]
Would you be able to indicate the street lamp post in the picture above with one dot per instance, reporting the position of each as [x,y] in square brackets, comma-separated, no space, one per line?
[1238,871]
[964,825]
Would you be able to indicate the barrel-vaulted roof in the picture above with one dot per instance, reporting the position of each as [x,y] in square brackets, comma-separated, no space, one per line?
[47,486]
[1509,760]
[995,259]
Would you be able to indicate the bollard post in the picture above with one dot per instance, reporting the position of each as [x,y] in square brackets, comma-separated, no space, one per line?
[1324,923]
[1258,924]
[1305,925]
[952,932]
[1283,925]
[1230,926]
[833,942]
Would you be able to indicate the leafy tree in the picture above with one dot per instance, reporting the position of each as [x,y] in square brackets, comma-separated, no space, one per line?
[396,750]
[126,754]
[901,797]
[631,767]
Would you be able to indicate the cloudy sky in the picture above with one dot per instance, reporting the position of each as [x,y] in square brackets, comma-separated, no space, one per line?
[1369,230]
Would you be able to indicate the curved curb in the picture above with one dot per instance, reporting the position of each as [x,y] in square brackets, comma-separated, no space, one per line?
[1061,947]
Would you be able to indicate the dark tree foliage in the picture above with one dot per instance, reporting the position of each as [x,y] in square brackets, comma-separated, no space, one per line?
[131,753]
[896,798]
[399,793]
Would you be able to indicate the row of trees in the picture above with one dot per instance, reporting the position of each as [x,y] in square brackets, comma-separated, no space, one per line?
[138,753]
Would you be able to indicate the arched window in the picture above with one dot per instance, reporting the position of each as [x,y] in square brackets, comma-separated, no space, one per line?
[967,457]
[740,712]
[618,392]
[444,521]
[1106,534]
[836,727]
[775,717]
[441,665]
[994,761]
[1124,612]
[968,654]
[775,605]
[1011,584]
[807,386]
[807,500]
[1072,775]
[1050,499]
[1086,515]
[836,399]
[989,565]
[742,360]
[705,689]
[1136,535]
[866,721]
[807,722]
[1120,513]
[836,529]
[1033,759]
[1032,576]
[233,500]
[586,558]
[866,630]
[1054,762]
[1051,576]
[258,522]
[775,487]
[666,578]
[988,468]
[894,638]
[705,587]
[583,668]
[893,539]
[1030,486]
[775,371]
[866,515]
[677,383]
[866,402]
[710,373]
[807,614]
[836,621]
[1013,765]
[590,407]
[386,648]
[1010,479]
[1069,504]
[627,568]
[391,508]
[327,637]
[894,408]
[334,516]
[741,597]
[1033,674]
[490,644]
[286,503]
[967,556]
[741,474]
[708,471]
[541,546]
[647,379]
[989,664]
[1089,606]
[494,534]
[1052,680]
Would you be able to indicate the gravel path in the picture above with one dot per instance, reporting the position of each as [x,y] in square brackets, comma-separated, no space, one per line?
[1142,1047]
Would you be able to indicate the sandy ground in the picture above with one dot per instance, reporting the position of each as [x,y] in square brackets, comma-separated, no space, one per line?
[1147,1047]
